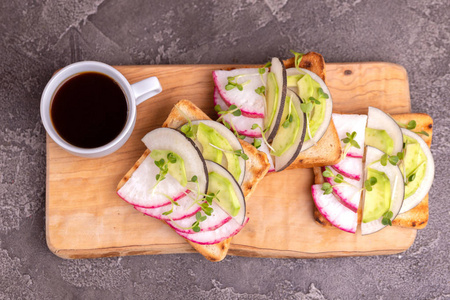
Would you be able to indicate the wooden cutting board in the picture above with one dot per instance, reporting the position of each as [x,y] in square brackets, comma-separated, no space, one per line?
[85,218]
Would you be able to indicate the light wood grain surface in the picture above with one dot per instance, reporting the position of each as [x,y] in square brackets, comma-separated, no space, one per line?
[85,217]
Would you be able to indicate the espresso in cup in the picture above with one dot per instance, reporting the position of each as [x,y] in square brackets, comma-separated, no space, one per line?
[89,110]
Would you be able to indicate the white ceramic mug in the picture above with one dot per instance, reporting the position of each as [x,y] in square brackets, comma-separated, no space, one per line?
[134,93]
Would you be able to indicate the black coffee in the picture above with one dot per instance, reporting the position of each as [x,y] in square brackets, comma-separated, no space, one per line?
[89,110]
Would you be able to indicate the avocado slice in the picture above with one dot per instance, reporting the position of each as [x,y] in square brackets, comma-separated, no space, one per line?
[293,79]
[415,162]
[207,135]
[380,139]
[176,169]
[228,199]
[286,137]
[378,200]
[271,99]
[308,87]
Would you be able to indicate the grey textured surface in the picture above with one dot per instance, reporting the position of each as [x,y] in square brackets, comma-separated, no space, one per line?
[38,37]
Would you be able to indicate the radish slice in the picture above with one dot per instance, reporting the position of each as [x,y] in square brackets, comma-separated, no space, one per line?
[397,188]
[232,140]
[228,230]
[276,104]
[288,157]
[350,167]
[139,189]
[349,123]
[214,167]
[242,124]
[336,213]
[250,103]
[328,110]
[175,141]
[350,195]
[377,119]
[218,218]
[184,210]
[413,200]
[265,149]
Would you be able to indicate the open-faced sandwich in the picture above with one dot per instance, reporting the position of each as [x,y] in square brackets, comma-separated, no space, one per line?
[387,166]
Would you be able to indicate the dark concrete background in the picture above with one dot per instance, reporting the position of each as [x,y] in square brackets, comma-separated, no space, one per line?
[40,36]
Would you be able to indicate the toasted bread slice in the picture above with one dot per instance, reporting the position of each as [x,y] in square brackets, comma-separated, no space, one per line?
[418,216]
[328,149]
[256,168]
[414,218]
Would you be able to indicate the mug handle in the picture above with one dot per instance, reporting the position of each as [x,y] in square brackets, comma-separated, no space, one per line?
[146,89]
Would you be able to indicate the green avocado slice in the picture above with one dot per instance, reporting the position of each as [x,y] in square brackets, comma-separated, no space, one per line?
[223,188]
[176,168]
[378,200]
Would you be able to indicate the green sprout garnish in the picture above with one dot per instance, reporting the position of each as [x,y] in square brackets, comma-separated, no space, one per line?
[262,70]
[393,159]
[387,216]
[297,59]
[235,111]
[254,126]
[261,90]
[327,188]
[308,105]
[349,142]
[256,143]
[289,117]
[238,153]
[412,125]
[339,179]
[369,183]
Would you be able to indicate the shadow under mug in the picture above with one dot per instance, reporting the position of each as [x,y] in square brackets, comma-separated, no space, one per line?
[134,93]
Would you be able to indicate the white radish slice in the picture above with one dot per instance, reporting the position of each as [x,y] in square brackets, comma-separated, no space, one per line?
[250,102]
[328,110]
[377,119]
[242,124]
[288,157]
[265,149]
[139,189]
[336,213]
[175,141]
[232,140]
[214,167]
[279,71]
[397,188]
[185,209]
[413,200]
[225,231]
[350,195]
[218,218]
[349,123]
[350,167]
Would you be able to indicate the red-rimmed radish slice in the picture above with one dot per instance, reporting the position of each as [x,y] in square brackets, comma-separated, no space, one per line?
[350,167]
[351,123]
[242,124]
[377,119]
[232,140]
[397,188]
[275,98]
[218,218]
[175,141]
[333,210]
[229,229]
[214,167]
[413,200]
[289,156]
[250,102]
[265,149]
[349,195]
[328,109]
[139,189]
[185,209]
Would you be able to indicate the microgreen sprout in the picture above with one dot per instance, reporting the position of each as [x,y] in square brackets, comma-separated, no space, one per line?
[256,143]
[349,142]
[339,179]
[261,72]
[254,126]
[369,183]
[392,159]
[387,216]
[289,117]
[238,153]
[261,90]
[412,125]
[297,59]
[308,105]
[187,129]
[172,206]
[327,188]
[235,111]
[232,82]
